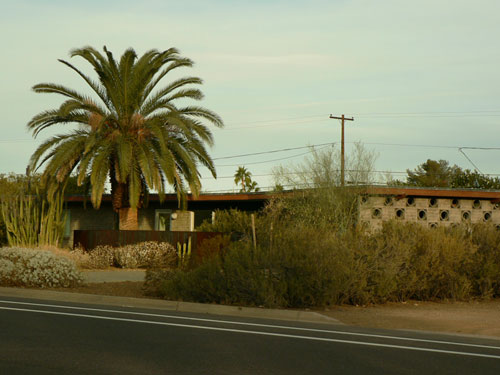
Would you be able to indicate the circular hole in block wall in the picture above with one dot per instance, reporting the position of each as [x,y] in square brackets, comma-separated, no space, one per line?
[487,216]
[465,215]
[455,203]
[433,225]
[410,202]
[476,204]
[497,226]
[388,201]
[444,215]
[400,213]
[376,213]
[364,199]
[496,206]
[422,214]
[433,202]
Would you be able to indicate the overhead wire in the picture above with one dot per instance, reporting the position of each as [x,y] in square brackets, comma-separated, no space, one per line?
[273,151]
[270,161]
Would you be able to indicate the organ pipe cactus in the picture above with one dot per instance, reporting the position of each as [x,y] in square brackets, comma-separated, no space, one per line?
[33,219]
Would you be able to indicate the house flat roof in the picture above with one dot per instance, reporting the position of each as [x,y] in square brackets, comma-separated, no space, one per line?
[201,198]
[493,195]
[435,192]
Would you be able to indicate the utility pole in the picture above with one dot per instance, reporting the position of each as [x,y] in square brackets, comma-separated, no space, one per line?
[342,161]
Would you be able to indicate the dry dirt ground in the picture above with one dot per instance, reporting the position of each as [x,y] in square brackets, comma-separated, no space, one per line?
[476,318]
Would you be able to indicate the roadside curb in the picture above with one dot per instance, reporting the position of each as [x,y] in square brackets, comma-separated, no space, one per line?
[191,307]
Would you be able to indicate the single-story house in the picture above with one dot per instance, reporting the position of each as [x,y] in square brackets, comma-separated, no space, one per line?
[80,215]
[428,206]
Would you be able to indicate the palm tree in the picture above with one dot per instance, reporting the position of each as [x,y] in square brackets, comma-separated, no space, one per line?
[132,133]
[244,177]
[241,176]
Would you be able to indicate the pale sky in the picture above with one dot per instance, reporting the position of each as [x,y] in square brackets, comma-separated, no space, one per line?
[415,73]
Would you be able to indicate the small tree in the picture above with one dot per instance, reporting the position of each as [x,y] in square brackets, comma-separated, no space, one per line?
[319,200]
[431,173]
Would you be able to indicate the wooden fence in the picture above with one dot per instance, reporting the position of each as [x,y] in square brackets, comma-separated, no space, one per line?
[89,239]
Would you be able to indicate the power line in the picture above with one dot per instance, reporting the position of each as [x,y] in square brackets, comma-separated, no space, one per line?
[270,161]
[429,146]
[273,125]
[477,169]
[279,120]
[365,143]
[338,170]
[274,151]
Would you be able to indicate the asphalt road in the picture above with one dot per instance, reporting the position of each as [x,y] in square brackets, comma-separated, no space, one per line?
[41,337]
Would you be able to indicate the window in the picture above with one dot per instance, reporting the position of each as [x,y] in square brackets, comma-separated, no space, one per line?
[162,219]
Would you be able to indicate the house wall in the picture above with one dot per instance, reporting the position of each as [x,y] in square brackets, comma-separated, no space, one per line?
[90,219]
[430,211]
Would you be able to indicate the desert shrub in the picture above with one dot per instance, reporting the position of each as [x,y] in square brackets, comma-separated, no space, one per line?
[230,221]
[238,278]
[101,257]
[211,247]
[303,269]
[424,263]
[202,284]
[145,254]
[36,268]
[486,267]
[141,255]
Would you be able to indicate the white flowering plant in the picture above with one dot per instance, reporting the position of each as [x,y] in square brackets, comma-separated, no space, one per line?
[37,268]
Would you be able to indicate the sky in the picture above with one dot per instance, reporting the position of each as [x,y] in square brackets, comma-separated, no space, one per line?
[421,79]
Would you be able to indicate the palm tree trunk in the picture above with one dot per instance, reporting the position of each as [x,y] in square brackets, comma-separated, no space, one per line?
[127,216]
[128,219]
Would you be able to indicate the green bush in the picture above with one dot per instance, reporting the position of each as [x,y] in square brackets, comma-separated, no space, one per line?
[36,268]
[229,222]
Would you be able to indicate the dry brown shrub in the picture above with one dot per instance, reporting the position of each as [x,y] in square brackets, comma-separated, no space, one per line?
[146,255]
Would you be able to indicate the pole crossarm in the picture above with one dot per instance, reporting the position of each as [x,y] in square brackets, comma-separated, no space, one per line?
[342,118]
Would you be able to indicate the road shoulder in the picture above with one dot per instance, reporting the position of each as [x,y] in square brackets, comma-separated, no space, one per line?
[237,311]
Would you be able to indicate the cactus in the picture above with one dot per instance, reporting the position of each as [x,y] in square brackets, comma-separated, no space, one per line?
[184,253]
[34,219]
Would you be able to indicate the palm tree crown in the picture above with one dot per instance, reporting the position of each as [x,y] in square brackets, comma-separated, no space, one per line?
[135,134]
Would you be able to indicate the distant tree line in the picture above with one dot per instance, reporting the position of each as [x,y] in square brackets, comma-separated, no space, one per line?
[439,173]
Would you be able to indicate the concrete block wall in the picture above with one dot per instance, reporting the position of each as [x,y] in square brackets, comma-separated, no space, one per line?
[182,221]
[431,211]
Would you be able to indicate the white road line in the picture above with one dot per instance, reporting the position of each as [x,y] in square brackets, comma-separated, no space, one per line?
[254,324]
[256,333]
